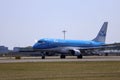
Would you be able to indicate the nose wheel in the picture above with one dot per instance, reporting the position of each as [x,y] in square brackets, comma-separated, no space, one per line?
[62,56]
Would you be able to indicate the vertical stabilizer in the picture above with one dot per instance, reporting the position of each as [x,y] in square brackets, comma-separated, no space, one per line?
[102,33]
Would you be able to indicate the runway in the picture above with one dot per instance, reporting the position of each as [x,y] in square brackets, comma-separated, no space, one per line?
[57,59]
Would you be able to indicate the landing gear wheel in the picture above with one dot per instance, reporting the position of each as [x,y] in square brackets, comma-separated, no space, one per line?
[62,56]
[43,57]
[79,57]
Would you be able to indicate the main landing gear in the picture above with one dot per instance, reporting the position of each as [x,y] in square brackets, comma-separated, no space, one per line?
[43,57]
[64,56]
[78,57]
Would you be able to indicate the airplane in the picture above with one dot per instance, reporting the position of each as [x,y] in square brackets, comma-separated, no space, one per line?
[72,47]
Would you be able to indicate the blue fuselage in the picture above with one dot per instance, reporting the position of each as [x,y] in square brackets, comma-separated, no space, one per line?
[55,43]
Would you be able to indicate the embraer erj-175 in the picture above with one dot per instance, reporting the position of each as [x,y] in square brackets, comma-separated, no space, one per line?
[72,47]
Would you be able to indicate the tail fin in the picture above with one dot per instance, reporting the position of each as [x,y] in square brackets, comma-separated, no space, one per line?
[102,33]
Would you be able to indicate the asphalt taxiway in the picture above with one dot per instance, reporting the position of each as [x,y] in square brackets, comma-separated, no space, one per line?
[57,59]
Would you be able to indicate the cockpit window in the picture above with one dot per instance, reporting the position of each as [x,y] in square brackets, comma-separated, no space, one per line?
[41,42]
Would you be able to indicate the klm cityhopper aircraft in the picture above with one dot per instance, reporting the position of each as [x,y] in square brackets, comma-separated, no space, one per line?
[72,47]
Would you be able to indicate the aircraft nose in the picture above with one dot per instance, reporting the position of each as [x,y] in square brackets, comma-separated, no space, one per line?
[40,46]
[35,46]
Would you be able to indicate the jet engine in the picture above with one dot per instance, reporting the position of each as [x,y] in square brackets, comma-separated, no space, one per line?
[75,52]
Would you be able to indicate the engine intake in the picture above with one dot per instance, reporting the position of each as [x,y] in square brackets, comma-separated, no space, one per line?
[75,52]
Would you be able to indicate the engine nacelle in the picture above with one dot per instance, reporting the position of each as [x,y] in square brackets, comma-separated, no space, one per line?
[75,52]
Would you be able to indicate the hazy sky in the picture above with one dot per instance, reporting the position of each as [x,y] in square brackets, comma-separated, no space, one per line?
[24,21]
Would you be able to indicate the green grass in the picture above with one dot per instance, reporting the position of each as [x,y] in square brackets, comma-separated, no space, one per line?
[61,71]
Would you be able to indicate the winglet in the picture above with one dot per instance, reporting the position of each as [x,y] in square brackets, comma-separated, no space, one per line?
[101,37]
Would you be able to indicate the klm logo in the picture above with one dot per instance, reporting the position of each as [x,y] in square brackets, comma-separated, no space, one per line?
[102,33]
